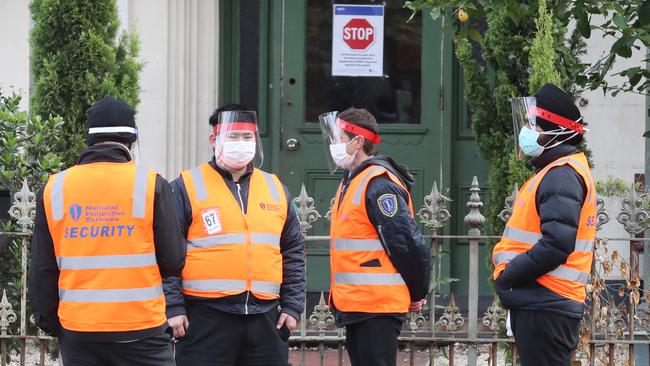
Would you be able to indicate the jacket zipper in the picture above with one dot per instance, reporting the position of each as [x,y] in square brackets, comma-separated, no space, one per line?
[383,241]
[248,246]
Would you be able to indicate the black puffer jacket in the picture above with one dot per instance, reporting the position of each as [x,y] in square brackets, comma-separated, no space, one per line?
[292,248]
[559,200]
[400,235]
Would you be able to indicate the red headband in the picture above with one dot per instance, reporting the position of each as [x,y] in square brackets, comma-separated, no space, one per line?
[351,128]
[235,126]
[558,120]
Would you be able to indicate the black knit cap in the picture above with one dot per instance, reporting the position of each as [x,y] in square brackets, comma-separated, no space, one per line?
[555,100]
[111,113]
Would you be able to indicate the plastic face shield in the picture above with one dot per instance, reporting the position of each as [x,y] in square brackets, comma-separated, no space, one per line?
[523,116]
[237,131]
[332,134]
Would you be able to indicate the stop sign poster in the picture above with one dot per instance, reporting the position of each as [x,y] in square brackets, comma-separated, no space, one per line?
[358,40]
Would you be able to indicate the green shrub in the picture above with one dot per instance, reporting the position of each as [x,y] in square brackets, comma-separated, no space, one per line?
[76,59]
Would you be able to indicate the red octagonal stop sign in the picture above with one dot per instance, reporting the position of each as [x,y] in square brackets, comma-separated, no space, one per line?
[358,34]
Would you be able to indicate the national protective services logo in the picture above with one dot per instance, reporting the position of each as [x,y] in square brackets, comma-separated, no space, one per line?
[75,212]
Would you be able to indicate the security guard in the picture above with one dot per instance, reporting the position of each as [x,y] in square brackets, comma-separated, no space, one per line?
[103,240]
[380,265]
[543,260]
[245,254]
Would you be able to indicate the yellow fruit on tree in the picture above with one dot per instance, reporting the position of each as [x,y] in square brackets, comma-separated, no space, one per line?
[462,15]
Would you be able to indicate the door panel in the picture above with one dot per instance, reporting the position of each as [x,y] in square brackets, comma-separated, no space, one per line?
[405,101]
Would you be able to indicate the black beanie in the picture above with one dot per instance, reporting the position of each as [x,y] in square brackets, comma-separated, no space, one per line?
[111,119]
[556,100]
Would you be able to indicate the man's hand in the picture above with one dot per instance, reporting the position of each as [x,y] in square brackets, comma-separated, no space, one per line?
[287,319]
[417,305]
[179,324]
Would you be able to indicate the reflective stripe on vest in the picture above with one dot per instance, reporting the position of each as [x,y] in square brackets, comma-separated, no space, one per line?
[121,295]
[560,272]
[107,261]
[139,194]
[362,185]
[532,238]
[233,238]
[358,244]
[368,279]
[231,285]
[199,184]
[580,166]
[57,196]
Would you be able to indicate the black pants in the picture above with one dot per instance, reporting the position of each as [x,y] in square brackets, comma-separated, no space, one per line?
[373,342]
[152,351]
[544,338]
[216,338]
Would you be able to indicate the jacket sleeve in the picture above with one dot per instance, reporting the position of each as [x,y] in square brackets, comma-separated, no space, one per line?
[559,200]
[173,285]
[292,247]
[43,273]
[399,234]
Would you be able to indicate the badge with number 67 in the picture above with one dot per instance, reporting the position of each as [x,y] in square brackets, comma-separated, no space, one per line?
[211,221]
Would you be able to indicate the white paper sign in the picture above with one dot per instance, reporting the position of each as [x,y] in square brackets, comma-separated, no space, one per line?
[358,40]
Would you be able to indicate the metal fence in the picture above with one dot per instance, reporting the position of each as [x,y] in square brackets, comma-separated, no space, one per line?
[614,330]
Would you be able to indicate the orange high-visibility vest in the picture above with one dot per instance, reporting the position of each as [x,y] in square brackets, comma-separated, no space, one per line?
[354,241]
[100,217]
[229,252]
[523,230]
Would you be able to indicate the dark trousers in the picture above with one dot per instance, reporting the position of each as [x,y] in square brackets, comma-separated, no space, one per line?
[216,338]
[373,342]
[544,338]
[152,351]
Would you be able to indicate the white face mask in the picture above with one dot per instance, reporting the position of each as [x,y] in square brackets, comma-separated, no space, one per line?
[340,155]
[236,154]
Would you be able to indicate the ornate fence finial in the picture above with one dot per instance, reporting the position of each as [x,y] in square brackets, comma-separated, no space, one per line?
[7,315]
[505,214]
[321,317]
[474,219]
[634,216]
[32,321]
[451,319]
[434,211]
[306,211]
[612,320]
[602,215]
[495,317]
[643,319]
[24,208]
[328,215]
[415,320]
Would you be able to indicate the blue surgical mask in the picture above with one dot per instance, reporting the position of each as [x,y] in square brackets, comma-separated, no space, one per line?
[528,142]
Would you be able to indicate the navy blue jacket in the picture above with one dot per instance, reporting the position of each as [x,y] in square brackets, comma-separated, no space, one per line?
[400,235]
[559,200]
[292,248]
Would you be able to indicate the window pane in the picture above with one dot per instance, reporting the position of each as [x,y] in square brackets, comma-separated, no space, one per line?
[394,98]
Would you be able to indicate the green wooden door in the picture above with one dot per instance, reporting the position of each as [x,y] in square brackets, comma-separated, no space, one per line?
[406,103]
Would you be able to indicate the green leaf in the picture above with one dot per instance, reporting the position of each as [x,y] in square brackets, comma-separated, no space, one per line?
[474,35]
[583,25]
[644,13]
[620,21]
[435,13]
